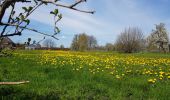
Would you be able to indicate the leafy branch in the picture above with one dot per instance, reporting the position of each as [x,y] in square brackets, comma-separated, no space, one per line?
[20,22]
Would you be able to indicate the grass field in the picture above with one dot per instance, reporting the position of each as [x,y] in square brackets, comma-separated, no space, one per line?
[67,75]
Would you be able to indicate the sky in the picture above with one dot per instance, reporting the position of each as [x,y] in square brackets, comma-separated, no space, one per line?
[110,19]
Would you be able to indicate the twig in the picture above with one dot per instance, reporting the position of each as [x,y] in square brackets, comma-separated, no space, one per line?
[13,83]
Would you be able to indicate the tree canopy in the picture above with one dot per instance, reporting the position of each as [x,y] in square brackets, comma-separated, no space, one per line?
[83,42]
[159,38]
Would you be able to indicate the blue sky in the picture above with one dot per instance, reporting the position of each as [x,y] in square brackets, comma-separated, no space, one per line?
[110,19]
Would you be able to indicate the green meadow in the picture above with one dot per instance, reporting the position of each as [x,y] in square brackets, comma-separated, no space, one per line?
[66,75]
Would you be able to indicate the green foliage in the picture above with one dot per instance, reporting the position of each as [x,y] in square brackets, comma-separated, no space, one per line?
[27,9]
[22,17]
[60,16]
[6,52]
[17,18]
[57,29]
[30,8]
[55,12]
[27,21]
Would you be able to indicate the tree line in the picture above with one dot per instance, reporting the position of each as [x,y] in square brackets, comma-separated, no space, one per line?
[130,40]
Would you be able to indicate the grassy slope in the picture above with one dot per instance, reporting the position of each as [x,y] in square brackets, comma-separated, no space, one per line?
[49,82]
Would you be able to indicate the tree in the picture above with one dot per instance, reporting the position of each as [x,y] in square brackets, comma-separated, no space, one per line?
[131,40]
[29,40]
[34,42]
[61,46]
[109,47]
[49,43]
[92,42]
[159,38]
[83,42]
[75,45]
[20,20]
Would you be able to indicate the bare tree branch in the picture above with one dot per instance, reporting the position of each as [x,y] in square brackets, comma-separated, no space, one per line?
[79,1]
[69,6]
[23,27]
